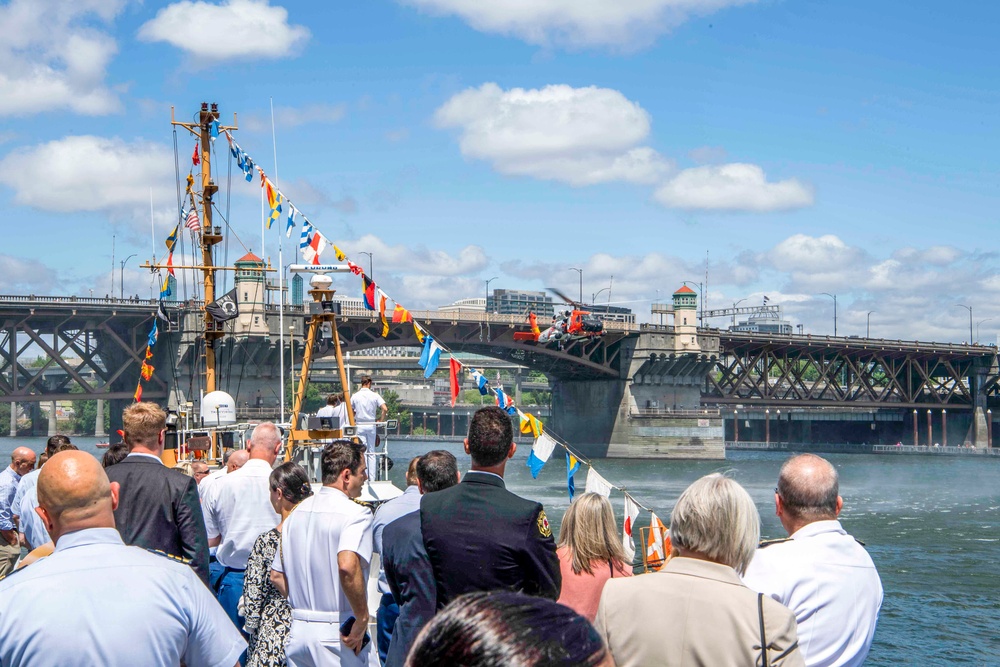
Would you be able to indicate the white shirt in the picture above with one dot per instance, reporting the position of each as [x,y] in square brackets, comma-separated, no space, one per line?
[339,411]
[210,480]
[366,404]
[317,530]
[238,509]
[830,582]
[25,502]
[95,601]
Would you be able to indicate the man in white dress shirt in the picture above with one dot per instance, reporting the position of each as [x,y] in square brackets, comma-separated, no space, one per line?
[367,405]
[322,566]
[237,510]
[820,572]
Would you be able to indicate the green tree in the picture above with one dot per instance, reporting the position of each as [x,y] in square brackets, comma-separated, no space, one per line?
[472,397]
[37,362]
[315,398]
[85,414]
[396,410]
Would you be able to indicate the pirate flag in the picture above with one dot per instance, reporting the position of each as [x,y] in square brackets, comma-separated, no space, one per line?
[224,308]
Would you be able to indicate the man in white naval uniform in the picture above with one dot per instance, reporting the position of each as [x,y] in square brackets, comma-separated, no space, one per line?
[820,572]
[96,601]
[367,405]
[322,566]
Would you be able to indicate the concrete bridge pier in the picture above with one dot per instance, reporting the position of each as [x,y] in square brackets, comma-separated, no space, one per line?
[585,413]
[53,421]
[99,426]
[13,419]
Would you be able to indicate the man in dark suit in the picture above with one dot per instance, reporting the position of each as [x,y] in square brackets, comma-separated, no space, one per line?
[407,568]
[481,537]
[158,507]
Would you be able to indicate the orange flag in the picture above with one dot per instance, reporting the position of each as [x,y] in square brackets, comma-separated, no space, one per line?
[382,298]
[657,544]
[400,314]
[454,368]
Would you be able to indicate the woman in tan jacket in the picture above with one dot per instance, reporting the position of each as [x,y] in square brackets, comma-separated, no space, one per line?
[696,611]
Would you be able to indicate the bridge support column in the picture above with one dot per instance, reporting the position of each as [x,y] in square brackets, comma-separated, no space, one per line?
[99,426]
[13,419]
[979,435]
[53,422]
[590,415]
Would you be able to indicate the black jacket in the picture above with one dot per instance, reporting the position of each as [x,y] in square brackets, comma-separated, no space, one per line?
[159,508]
[411,579]
[481,537]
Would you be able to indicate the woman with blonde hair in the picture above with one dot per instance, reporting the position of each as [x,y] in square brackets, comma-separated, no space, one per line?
[590,553]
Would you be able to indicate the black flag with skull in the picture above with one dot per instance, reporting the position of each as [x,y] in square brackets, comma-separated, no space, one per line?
[224,308]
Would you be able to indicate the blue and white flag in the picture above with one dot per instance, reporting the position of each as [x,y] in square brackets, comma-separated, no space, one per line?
[431,356]
[248,168]
[290,225]
[540,453]
[480,380]
[306,235]
[572,465]
[214,131]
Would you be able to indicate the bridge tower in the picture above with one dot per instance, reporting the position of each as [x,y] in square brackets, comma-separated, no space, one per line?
[686,320]
[249,283]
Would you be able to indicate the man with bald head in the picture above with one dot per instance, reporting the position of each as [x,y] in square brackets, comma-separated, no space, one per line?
[22,460]
[96,601]
[159,507]
[238,510]
[820,572]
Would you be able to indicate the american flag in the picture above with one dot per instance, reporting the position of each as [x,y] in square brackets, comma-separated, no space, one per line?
[192,221]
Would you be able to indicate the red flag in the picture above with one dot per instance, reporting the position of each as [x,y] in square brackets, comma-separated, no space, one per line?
[400,314]
[170,265]
[455,367]
[368,293]
[138,393]
[195,158]
[355,269]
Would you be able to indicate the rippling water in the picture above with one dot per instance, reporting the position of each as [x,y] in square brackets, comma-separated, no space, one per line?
[929,523]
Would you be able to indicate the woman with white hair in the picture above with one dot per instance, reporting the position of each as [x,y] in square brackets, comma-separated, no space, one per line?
[696,610]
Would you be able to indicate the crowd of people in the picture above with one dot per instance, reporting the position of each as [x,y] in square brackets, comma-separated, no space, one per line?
[252,564]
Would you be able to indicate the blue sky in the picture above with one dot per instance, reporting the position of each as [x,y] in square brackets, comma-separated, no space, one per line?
[807,147]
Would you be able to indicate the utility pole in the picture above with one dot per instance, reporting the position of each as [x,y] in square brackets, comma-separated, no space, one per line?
[580,271]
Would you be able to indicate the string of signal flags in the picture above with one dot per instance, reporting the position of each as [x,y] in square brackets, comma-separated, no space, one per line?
[312,243]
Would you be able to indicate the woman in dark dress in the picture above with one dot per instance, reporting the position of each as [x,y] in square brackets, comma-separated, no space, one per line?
[267,613]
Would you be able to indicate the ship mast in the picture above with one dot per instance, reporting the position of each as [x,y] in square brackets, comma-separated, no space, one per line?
[210,235]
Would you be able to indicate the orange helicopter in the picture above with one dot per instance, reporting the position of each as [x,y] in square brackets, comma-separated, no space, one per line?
[577,323]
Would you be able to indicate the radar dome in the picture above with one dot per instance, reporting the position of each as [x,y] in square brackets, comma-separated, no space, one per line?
[218,409]
[320,281]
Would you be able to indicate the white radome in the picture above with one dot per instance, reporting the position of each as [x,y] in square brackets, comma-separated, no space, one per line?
[218,409]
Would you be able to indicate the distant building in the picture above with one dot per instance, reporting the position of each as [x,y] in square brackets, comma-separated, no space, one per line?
[613,313]
[351,305]
[297,289]
[249,283]
[520,302]
[473,305]
[768,321]
[172,287]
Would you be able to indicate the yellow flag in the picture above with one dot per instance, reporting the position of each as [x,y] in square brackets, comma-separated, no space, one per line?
[531,424]
[419,333]
[340,254]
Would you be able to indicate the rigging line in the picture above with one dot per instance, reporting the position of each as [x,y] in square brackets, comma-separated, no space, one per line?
[180,206]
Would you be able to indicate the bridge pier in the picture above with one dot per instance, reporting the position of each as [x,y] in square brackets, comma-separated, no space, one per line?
[99,426]
[13,419]
[53,421]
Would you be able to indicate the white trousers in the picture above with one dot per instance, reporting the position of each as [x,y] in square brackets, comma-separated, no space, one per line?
[317,644]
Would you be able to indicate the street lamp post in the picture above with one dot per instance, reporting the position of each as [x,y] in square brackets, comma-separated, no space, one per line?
[868,325]
[593,297]
[486,309]
[834,297]
[580,271]
[978,324]
[735,304]
[371,272]
[121,293]
[968,308]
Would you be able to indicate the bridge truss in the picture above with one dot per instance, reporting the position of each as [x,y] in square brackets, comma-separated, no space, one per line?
[814,372]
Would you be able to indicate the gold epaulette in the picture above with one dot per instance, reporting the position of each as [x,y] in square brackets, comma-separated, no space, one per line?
[766,543]
[179,559]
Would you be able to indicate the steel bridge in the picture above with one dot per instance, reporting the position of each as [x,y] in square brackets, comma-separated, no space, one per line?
[820,371]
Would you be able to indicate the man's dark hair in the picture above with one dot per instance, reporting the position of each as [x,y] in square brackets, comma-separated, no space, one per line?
[115,454]
[507,628]
[490,436]
[437,470]
[334,399]
[337,456]
[809,486]
[366,380]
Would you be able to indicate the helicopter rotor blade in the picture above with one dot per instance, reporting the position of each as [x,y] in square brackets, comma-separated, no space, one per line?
[562,296]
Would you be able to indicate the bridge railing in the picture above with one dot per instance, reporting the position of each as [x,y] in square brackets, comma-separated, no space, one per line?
[674,412]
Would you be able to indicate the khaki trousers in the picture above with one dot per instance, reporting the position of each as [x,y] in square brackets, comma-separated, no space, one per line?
[8,557]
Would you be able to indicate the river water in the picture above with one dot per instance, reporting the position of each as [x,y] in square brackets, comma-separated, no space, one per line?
[930,524]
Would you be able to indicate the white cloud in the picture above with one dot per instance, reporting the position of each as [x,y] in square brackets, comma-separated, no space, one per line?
[231,29]
[732,187]
[577,23]
[88,173]
[25,276]
[420,259]
[54,56]
[580,136]
[289,117]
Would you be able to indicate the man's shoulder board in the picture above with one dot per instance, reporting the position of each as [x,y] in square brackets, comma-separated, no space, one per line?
[178,559]
[767,543]
[858,541]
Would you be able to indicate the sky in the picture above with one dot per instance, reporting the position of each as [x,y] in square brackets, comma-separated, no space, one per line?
[781,148]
